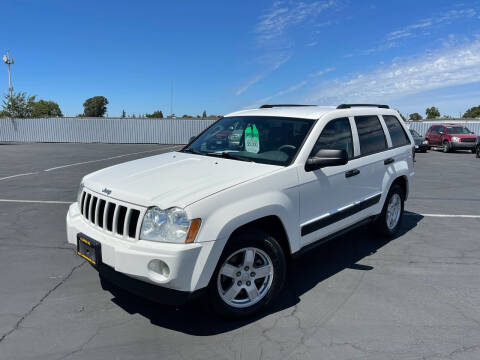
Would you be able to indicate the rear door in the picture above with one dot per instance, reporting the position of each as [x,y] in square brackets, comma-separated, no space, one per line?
[371,160]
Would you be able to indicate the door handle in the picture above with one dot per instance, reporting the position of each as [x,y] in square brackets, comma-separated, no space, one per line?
[389,161]
[351,173]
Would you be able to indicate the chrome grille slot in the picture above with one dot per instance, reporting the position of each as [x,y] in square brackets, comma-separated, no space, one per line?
[119,218]
[469,140]
[122,212]
[82,202]
[110,213]
[86,209]
[132,225]
[100,213]
[93,209]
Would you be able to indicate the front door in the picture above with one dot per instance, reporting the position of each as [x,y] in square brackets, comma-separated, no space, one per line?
[326,191]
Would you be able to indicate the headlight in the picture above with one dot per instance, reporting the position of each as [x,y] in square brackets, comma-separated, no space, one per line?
[171,225]
[455,139]
[425,142]
[79,193]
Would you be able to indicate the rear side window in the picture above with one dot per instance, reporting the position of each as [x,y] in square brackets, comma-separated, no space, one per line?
[335,135]
[371,135]
[397,133]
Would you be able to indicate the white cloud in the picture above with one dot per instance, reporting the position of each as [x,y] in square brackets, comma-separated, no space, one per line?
[449,67]
[271,34]
[292,88]
[445,18]
[321,72]
[281,16]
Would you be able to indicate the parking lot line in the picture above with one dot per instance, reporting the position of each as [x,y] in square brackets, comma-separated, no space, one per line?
[13,176]
[445,215]
[35,201]
[111,158]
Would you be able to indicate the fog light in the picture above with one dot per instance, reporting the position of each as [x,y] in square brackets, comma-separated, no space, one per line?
[159,267]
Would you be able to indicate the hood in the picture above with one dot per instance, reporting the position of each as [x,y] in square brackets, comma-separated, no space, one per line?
[173,179]
[418,139]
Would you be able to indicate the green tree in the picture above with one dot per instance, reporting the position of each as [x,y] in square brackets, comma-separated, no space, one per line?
[124,114]
[432,113]
[473,112]
[415,117]
[158,114]
[95,106]
[43,108]
[204,114]
[19,105]
[4,114]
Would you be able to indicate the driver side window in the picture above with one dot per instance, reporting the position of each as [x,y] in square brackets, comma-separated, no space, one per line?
[335,135]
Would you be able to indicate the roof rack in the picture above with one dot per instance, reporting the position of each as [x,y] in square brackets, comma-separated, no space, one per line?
[348,106]
[267,106]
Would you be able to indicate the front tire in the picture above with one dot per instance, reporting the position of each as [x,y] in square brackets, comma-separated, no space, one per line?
[446,147]
[249,275]
[390,219]
[478,151]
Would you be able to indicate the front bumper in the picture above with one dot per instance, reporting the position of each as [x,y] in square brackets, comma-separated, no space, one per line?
[188,263]
[463,145]
[421,147]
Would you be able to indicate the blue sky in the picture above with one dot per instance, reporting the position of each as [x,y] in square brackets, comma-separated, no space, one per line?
[227,55]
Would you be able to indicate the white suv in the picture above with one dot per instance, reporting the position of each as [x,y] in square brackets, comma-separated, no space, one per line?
[226,212]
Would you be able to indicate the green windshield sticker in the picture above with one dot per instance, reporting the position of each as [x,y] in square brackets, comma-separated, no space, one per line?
[252,139]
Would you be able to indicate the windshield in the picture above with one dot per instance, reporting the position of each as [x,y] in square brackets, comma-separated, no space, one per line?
[414,133]
[263,139]
[457,130]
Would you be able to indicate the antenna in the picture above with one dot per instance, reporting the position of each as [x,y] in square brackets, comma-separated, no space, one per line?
[171,98]
[9,61]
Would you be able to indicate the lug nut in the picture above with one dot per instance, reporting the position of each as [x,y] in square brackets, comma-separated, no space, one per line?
[239,283]
[246,268]
[239,273]
[252,274]
[248,283]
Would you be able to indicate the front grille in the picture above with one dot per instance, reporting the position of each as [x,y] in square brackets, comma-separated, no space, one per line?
[116,217]
[469,140]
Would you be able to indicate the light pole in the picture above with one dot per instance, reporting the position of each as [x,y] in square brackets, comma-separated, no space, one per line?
[9,61]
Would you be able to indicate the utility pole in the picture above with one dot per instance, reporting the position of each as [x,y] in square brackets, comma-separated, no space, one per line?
[9,61]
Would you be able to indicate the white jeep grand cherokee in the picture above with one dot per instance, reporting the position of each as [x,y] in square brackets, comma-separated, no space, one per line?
[226,212]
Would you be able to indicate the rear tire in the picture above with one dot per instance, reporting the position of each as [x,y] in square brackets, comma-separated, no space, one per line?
[478,151]
[390,219]
[249,275]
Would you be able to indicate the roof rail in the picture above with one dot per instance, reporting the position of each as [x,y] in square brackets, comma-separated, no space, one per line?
[348,106]
[267,106]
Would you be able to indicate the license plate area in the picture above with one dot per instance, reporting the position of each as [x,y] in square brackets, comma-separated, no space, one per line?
[89,249]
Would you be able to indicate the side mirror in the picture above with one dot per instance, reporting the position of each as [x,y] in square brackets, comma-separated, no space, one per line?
[191,139]
[326,157]
[441,132]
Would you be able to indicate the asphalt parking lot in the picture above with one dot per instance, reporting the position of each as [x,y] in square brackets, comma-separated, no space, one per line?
[357,297]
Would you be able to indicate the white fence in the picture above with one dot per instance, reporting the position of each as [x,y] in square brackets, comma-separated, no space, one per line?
[101,130]
[139,131]
[422,126]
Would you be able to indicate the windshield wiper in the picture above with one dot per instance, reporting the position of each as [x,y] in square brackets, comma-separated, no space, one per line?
[229,155]
[193,151]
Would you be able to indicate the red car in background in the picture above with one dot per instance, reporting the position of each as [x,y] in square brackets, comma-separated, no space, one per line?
[451,137]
